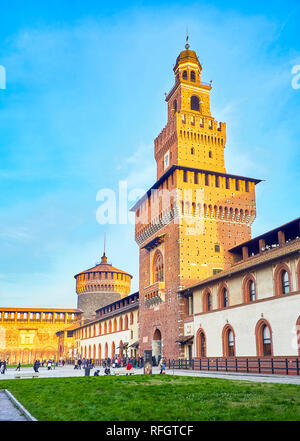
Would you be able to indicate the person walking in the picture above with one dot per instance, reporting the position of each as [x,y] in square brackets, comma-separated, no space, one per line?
[49,365]
[162,365]
[36,366]
[18,366]
[3,367]
[79,363]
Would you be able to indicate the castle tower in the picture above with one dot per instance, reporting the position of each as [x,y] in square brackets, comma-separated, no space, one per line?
[99,286]
[194,212]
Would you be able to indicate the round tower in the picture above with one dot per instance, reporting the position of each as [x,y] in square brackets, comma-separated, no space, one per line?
[99,286]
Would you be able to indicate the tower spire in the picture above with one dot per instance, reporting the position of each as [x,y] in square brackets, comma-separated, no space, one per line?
[104,258]
[187,46]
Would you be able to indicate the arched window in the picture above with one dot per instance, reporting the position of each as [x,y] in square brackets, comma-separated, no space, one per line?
[126,321]
[201,343]
[184,75]
[207,301]
[266,340]
[195,103]
[175,106]
[285,282]
[249,288]
[106,351]
[251,291]
[158,267]
[282,279]
[115,325]
[228,341]
[120,324]
[224,298]
[131,318]
[263,335]
[109,327]
[193,76]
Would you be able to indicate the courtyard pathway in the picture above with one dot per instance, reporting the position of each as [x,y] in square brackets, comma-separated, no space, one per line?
[69,371]
[10,412]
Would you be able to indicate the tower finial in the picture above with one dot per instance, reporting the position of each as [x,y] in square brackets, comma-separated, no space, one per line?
[187,46]
[104,258]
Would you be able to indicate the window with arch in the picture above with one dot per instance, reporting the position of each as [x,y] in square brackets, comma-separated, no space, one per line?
[201,343]
[175,106]
[266,340]
[263,338]
[249,288]
[282,279]
[158,267]
[126,321]
[251,291]
[228,342]
[184,75]
[207,301]
[193,76]
[120,324]
[195,103]
[224,299]
[285,282]
[131,318]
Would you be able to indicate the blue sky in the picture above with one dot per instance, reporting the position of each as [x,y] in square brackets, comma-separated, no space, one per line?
[84,100]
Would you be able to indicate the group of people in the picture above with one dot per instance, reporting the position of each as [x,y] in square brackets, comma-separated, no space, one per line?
[115,362]
[89,363]
[49,364]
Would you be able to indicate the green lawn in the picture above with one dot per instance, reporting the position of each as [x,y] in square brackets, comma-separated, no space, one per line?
[145,398]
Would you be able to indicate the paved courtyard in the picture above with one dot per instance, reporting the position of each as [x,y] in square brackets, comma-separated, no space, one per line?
[10,412]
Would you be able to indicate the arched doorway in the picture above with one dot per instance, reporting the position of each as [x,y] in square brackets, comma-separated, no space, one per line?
[156,345]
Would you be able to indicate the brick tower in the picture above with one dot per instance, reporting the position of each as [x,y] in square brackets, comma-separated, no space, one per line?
[192,215]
